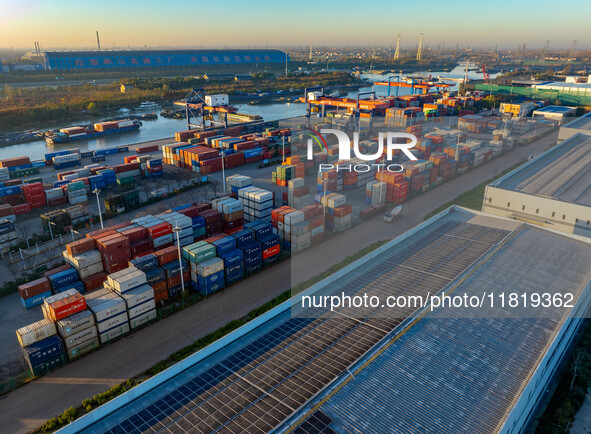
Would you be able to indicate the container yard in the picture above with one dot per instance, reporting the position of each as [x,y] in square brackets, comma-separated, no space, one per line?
[275,203]
[329,349]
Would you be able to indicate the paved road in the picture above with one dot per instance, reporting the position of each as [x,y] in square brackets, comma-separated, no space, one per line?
[28,406]
[582,423]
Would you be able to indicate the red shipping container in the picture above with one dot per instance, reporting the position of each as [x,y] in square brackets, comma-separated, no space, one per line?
[34,187]
[202,207]
[33,288]
[16,161]
[130,159]
[167,255]
[22,209]
[234,160]
[13,199]
[116,266]
[142,247]
[67,306]
[11,182]
[159,230]
[146,149]
[191,211]
[135,234]
[176,280]
[271,251]
[100,233]
[210,166]
[81,246]
[232,231]
[121,168]
[95,281]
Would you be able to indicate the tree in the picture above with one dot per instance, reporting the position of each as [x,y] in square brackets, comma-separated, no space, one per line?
[91,106]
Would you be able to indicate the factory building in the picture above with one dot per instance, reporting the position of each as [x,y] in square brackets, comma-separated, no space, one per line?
[553,190]
[403,368]
[579,125]
[76,60]
[517,108]
[555,113]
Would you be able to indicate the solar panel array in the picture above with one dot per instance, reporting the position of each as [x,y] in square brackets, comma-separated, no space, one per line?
[267,379]
[450,375]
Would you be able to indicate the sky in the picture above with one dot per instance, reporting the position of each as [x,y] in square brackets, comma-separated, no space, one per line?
[196,23]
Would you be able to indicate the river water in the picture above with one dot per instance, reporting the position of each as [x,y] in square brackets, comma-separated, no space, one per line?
[163,127]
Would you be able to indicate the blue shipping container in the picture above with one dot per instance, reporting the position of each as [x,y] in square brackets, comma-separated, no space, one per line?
[48,365]
[232,258]
[145,263]
[243,237]
[57,184]
[224,245]
[8,191]
[35,300]
[210,289]
[260,228]
[198,222]
[77,285]
[212,278]
[175,291]
[43,350]
[155,275]
[38,163]
[63,278]
[172,268]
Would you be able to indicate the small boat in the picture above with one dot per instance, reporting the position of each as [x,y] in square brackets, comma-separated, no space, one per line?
[148,105]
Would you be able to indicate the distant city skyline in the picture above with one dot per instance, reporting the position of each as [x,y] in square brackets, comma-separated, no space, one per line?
[153,24]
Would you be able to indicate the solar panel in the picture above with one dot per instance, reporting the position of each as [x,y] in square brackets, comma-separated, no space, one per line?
[264,381]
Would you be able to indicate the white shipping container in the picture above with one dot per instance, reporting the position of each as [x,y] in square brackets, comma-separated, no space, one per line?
[75,323]
[104,309]
[81,336]
[109,335]
[143,319]
[210,266]
[54,193]
[66,158]
[90,270]
[122,124]
[293,217]
[77,200]
[141,308]
[35,332]
[160,241]
[128,281]
[114,321]
[138,295]
[83,348]
[217,100]
[86,259]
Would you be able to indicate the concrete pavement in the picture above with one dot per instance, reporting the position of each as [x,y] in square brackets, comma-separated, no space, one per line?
[28,406]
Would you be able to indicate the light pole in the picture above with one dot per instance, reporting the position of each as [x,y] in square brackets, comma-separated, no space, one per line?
[283,152]
[98,203]
[177,230]
[50,231]
[457,146]
[224,170]
[324,197]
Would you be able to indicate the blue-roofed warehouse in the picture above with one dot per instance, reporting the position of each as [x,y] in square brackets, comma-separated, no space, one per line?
[78,60]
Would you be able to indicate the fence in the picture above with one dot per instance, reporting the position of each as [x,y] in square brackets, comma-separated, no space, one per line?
[574,97]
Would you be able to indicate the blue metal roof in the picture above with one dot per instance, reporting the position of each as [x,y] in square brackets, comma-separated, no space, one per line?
[68,60]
